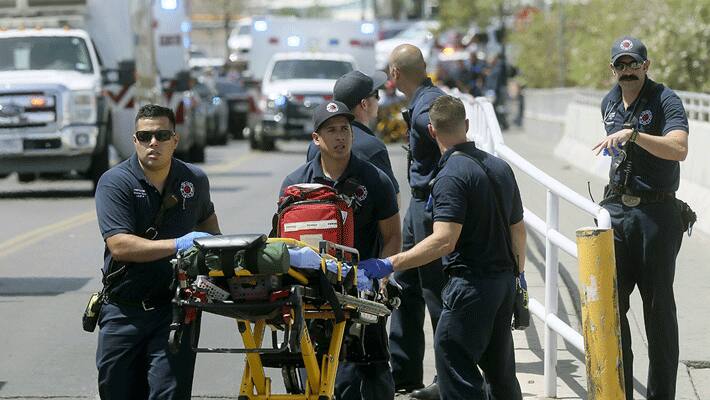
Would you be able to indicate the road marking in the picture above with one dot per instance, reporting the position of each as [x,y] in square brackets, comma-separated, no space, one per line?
[28,238]
[226,167]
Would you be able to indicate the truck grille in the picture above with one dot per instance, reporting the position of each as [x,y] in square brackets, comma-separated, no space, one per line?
[299,108]
[20,110]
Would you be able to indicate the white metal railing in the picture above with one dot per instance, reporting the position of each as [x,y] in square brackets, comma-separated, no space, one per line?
[484,130]
[697,105]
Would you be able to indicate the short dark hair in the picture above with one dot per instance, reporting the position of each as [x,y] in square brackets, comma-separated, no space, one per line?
[447,114]
[156,111]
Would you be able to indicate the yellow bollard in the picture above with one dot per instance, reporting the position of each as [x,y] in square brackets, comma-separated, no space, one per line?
[600,314]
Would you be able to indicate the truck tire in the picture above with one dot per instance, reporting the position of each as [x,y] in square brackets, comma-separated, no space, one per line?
[267,144]
[25,177]
[99,165]
[197,153]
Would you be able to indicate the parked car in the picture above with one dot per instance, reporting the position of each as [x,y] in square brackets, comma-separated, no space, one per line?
[240,104]
[420,34]
[216,113]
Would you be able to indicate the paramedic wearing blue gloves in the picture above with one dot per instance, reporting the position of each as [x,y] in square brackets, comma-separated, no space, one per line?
[647,121]
[407,70]
[360,93]
[376,216]
[132,355]
[471,237]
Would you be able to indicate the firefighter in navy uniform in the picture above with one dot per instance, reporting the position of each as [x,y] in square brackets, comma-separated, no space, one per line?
[377,226]
[422,286]
[647,136]
[481,240]
[132,355]
[360,93]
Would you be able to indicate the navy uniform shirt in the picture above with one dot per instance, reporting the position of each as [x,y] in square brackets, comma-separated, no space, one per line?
[126,202]
[661,112]
[376,202]
[424,152]
[366,147]
[463,194]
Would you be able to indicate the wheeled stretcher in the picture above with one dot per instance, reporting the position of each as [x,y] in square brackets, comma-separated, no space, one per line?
[311,313]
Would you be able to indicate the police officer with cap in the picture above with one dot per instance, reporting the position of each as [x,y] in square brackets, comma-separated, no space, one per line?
[407,70]
[479,230]
[360,93]
[377,227]
[148,207]
[647,136]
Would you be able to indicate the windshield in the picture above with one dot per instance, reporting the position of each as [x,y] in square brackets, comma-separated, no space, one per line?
[36,53]
[310,69]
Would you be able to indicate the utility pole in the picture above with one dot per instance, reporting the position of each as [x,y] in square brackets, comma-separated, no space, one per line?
[227,19]
[145,89]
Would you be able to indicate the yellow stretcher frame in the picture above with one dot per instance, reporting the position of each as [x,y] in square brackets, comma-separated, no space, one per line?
[320,380]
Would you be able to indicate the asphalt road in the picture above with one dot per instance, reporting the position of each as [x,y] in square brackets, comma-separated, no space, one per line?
[50,253]
[51,249]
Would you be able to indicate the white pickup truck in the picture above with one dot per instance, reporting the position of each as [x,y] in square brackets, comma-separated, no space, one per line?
[294,84]
[53,116]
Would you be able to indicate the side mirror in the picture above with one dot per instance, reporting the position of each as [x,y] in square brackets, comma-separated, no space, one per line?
[126,73]
[182,81]
[109,76]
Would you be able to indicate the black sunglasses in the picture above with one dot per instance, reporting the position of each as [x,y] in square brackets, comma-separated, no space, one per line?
[375,94]
[160,135]
[622,66]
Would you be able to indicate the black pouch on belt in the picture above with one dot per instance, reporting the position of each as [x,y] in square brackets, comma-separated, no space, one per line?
[91,314]
[687,216]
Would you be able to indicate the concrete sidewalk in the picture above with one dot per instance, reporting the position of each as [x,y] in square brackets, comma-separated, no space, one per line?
[535,143]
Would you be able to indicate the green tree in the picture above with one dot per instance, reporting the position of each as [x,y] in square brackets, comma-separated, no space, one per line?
[676,33]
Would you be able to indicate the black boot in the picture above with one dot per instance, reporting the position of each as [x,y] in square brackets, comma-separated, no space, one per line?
[430,392]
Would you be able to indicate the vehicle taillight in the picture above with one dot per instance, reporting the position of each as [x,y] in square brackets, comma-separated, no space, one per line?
[252,105]
[273,40]
[327,97]
[355,43]
[299,98]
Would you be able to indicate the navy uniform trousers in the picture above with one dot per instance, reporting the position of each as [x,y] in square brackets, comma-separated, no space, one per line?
[474,330]
[132,355]
[420,286]
[647,239]
[364,381]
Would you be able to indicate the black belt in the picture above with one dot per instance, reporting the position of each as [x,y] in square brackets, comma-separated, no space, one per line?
[147,304]
[644,196]
[458,272]
[420,194]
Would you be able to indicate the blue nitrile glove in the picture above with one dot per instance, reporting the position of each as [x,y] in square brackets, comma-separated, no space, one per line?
[523,282]
[364,284]
[376,268]
[185,242]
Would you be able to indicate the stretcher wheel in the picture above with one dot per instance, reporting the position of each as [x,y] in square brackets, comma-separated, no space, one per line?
[174,341]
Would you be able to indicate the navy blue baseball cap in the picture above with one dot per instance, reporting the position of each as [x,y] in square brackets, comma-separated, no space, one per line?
[355,86]
[628,46]
[328,110]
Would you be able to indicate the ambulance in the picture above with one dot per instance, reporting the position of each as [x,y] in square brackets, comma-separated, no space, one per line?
[295,62]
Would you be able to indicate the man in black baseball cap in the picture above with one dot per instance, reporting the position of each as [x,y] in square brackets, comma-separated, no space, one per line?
[647,137]
[360,93]
[377,224]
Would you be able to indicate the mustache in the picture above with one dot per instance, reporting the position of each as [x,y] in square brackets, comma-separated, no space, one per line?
[629,78]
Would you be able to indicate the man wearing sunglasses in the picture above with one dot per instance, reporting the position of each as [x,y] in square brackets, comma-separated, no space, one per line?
[647,136]
[360,93]
[149,207]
